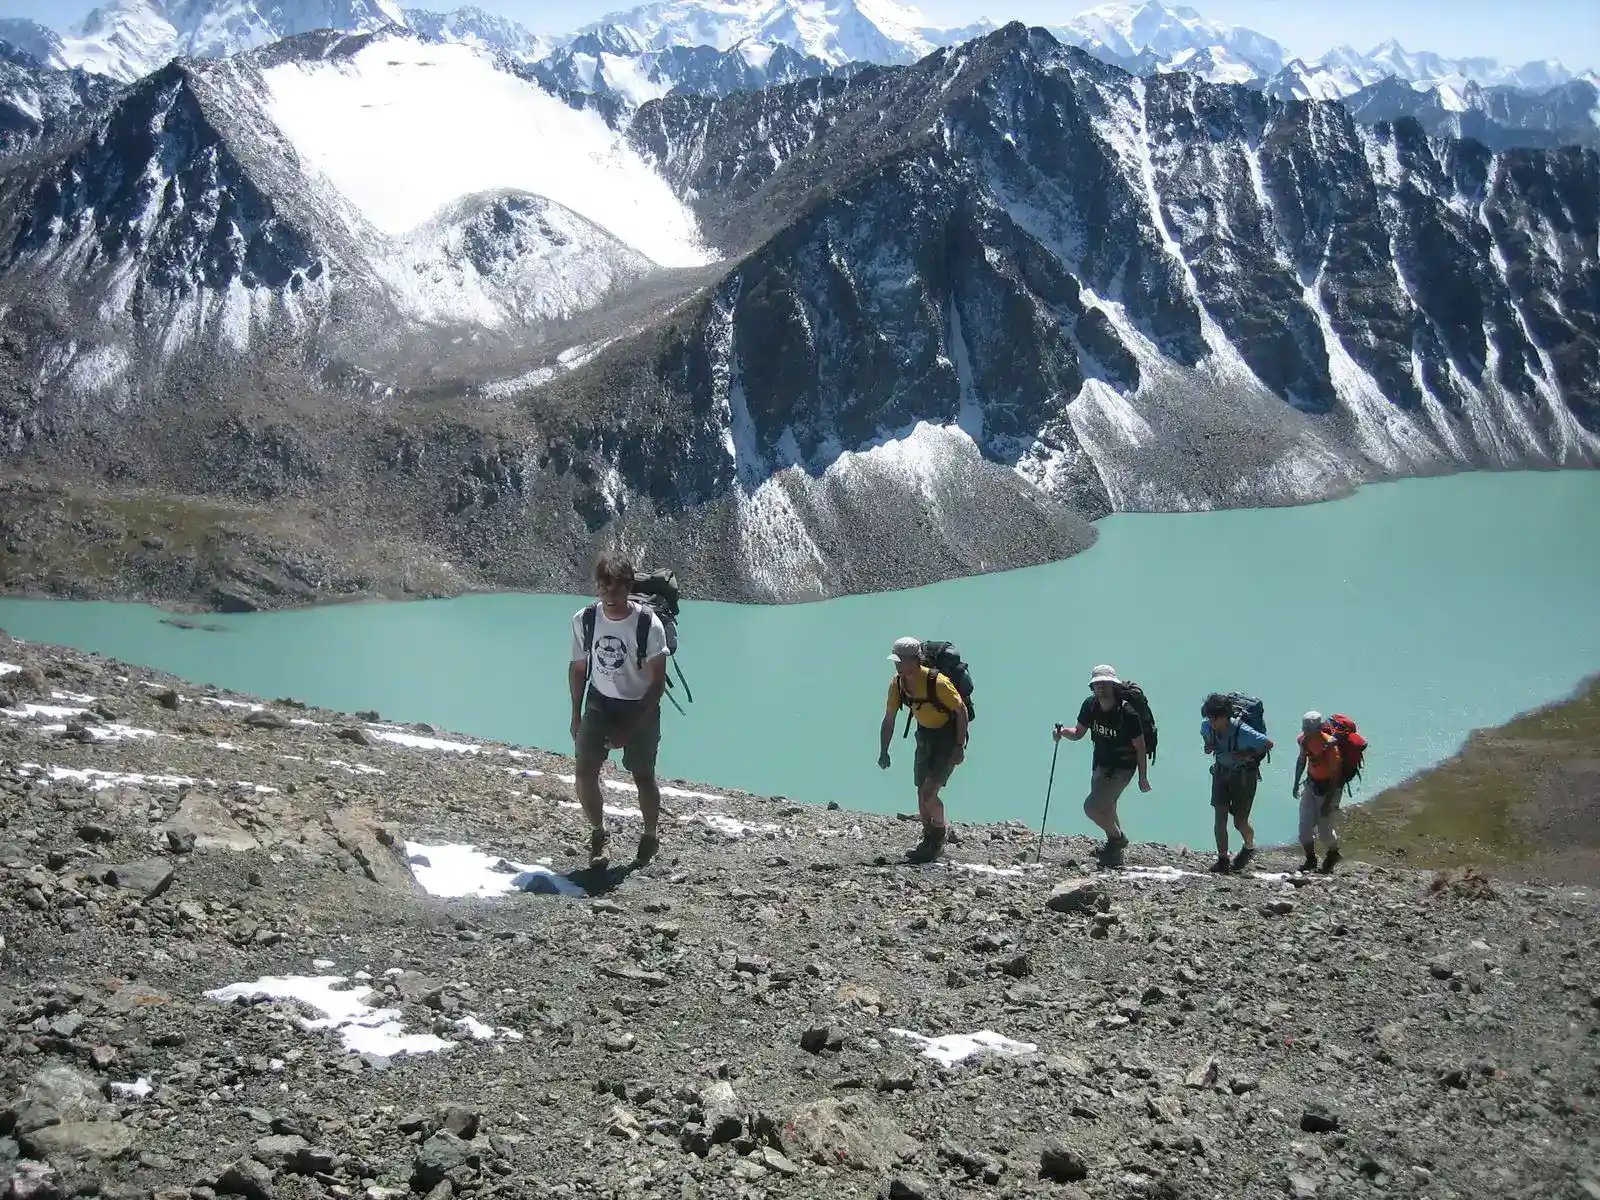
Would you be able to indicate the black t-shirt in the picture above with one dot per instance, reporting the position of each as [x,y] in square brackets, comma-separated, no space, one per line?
[1113,734]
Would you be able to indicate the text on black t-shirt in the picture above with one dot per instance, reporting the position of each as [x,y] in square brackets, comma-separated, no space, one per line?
[1113,732]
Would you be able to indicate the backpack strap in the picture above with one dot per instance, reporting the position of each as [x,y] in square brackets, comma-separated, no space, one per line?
[641,634]
[933,691]
[589,615]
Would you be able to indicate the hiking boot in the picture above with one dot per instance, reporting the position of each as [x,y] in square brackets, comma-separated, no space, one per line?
[599,840]
[1120,842]
[1310,863]
[649,844]
[1221,866]
[929,848]
[1245,854]
[1328,861]
[1110,855]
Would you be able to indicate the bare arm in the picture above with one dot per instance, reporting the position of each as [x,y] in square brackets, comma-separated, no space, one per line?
[1144,760]
[577,680]
[885,736]
[1073,733]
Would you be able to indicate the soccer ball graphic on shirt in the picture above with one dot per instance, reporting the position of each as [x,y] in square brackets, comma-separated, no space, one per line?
[610,652]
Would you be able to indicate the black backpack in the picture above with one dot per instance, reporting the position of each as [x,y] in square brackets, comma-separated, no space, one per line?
[943,659]
[1131,693]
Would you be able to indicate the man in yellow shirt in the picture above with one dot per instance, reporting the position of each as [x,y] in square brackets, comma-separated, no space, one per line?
[941,738]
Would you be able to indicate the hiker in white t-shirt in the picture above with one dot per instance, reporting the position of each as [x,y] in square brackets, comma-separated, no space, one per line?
[617,675]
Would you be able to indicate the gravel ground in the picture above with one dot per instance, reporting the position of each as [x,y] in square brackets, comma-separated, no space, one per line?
[732,1020]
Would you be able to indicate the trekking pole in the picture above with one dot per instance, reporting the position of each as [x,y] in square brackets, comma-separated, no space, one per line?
[1048,788]
[681,679]
[675,703]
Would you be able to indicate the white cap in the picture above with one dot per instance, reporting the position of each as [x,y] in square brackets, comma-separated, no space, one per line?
[1312,720]
[906,647]
[1104,673]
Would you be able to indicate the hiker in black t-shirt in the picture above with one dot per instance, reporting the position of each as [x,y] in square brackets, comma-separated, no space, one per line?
[1119,750]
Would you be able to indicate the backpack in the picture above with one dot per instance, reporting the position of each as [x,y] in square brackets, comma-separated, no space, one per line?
[1252,712]
[1352,746]
[659,590]
[942,659]
[1133,694]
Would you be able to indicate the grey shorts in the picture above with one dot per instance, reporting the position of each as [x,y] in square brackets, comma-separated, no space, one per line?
[600,717]
[935,749]
[1234,792]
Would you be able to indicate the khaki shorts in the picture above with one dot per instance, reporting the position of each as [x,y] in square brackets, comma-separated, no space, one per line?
[1106,785]
[601,715]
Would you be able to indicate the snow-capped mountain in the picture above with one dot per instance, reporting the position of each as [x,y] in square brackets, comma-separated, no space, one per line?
[328,193]
[35,98]
[948,310]
[475,27]
[606,64]
[1122,32]
[1499,117]
[834,31]
[41,44]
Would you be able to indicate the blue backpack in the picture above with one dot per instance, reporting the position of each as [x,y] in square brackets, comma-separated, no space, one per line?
[1249,710]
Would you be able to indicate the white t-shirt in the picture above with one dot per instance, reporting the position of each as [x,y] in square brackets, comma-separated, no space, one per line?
[614,668]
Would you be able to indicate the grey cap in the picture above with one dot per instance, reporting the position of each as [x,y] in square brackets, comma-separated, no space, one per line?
[906,647]
[1311,721]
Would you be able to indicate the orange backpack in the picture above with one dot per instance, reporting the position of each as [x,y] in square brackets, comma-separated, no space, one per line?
[1352,746]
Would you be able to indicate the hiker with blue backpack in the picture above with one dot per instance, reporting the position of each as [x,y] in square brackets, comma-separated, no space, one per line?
[931,680]
[1233,729]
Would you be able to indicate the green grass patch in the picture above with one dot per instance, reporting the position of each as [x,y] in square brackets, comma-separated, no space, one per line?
[1479,808]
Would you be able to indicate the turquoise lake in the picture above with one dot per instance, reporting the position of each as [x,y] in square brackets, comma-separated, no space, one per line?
[1423,609]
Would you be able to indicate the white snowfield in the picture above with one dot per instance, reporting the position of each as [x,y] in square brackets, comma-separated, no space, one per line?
[402,128]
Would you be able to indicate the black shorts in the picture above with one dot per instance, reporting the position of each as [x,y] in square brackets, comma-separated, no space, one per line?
[1234,791]
[601,714]
[935,750]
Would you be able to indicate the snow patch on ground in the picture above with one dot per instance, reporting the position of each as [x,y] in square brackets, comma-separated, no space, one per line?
[417,741]
[363,1028]
[464,870]
[951,1049]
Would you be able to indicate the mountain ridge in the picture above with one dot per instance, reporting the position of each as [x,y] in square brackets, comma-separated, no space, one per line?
[959,308]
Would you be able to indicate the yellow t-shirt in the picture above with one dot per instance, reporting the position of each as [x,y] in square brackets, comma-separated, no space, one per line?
[929,715]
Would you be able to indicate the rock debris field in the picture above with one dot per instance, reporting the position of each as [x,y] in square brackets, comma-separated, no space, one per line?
[263,950]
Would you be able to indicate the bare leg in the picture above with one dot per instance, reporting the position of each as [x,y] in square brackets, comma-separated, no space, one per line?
[929,806]
[1221,830]
[649,798]
[588,789]
[1246,831]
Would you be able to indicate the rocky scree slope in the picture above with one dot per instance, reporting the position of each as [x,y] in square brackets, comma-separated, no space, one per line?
[736,1018]
[35,98]
[961,307]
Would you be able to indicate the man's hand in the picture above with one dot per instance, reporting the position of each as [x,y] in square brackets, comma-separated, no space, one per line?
[958,756]
[1295,791]
[620,733]
[1057,733]
[1144,783]
[883,760]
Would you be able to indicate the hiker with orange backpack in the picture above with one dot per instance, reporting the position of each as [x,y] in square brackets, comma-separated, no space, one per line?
[1331,753]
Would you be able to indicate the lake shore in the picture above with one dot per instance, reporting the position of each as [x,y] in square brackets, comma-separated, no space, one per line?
[193,556]
[775,1006]
[1519,799]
